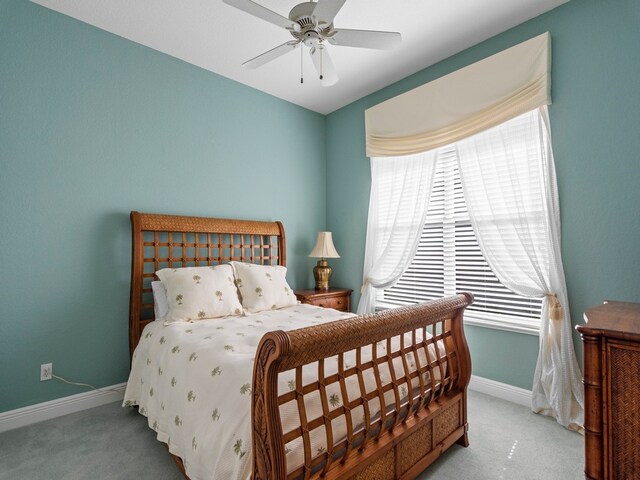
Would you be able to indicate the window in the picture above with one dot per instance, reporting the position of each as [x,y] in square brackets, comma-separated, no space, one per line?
[449,260]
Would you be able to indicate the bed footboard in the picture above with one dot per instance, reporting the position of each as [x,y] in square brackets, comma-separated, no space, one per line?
[379,396]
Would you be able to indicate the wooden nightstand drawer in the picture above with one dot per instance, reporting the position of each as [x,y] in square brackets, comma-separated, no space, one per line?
[336,302]
[337,298]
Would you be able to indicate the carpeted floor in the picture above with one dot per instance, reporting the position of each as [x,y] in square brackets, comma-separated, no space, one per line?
[110,442]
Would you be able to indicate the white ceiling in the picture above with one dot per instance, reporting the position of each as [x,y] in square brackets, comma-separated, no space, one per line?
[217,37]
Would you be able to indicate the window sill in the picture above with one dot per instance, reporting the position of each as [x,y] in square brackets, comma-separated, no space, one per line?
[495,321]
[508,324]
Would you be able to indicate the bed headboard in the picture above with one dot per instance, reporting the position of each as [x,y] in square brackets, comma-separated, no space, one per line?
[170,241]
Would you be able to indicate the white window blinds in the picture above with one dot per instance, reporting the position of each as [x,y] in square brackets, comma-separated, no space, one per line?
[449,260]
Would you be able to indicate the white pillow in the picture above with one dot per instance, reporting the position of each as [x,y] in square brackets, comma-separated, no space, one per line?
[196,293]
[160,302]
[263,287]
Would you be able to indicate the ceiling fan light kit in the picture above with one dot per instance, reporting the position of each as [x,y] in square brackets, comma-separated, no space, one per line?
[311,23]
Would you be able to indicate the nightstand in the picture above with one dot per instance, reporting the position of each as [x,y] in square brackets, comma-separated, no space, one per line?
[338,298]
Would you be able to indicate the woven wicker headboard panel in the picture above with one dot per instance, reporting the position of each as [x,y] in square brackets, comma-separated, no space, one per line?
[162,241]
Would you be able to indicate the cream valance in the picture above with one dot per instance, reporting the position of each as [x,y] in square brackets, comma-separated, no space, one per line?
[465,102]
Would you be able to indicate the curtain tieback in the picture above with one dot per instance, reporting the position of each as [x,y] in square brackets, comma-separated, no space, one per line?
[364,286]
[556,312]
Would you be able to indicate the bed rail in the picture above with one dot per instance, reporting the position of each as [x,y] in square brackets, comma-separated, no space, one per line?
[418,362]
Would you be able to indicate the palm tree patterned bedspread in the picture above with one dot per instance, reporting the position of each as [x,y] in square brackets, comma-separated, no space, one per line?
[192,380]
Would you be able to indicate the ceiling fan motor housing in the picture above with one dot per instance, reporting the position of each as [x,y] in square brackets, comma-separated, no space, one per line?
[310,33]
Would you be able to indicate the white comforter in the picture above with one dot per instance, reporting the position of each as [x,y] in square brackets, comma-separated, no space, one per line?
[193,382]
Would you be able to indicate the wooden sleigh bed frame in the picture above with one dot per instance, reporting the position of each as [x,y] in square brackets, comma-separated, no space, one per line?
[408,434]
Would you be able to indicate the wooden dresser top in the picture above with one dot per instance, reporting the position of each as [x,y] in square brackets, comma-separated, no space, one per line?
[619,319]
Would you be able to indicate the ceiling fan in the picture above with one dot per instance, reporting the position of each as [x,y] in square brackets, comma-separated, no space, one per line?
[311,23]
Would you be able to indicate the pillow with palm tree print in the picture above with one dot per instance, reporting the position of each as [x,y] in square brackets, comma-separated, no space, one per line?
[197,293]
[263,287]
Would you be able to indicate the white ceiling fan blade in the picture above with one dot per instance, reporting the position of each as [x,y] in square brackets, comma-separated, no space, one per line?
[326,11]
[252,8]
[365,38]
[324,66]
[271,54]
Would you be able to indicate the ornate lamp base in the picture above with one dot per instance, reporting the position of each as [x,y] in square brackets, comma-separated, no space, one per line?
[322,274]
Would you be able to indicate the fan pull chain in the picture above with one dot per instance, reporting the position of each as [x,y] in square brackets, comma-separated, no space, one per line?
[321,50]
[301,70]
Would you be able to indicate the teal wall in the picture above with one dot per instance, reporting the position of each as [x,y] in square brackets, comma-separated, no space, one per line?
[93,126]
[594,119]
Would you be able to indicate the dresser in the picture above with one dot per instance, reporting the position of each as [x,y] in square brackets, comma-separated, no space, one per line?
[611,369]
[338,298]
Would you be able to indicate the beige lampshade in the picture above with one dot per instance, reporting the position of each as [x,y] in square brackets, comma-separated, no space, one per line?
[324,247]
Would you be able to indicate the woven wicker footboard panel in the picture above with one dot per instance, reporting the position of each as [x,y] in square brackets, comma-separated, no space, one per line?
[414,449]
[381,469]
[446,423]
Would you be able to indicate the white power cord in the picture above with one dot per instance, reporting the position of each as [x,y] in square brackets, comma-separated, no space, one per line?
[80,384]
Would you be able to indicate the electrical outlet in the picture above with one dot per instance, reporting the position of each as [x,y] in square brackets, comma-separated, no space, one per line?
[46,371]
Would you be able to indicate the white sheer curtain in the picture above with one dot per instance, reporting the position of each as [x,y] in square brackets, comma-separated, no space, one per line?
[509,183]
[400,188]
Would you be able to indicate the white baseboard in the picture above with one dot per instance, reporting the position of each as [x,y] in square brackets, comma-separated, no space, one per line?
[501,390]
[60,406]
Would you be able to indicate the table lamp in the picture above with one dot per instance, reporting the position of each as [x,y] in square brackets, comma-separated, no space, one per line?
[323,249]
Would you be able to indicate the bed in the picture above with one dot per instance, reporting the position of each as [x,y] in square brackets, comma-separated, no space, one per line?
[379,396]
